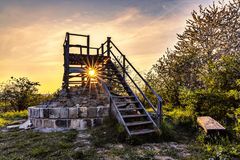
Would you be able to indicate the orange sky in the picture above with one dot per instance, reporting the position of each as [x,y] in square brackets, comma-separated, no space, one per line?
[32,36]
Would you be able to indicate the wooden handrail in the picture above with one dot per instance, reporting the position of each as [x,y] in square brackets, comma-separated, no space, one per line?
[74,34]
[152,106]
[159,98]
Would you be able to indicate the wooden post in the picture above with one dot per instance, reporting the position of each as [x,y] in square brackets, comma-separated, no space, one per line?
[67,61]
[88,45]
[102,48]
[159,113]
[108,46]
[81,50]
[124,66]
[108,54]
[98,51]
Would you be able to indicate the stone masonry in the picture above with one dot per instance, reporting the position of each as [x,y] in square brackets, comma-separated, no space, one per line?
[82,108]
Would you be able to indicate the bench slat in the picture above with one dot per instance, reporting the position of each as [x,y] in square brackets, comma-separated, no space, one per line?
[209,124]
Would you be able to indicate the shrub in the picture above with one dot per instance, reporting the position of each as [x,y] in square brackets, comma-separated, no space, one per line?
[3,122]
[237,125]
[220,148]
[183,116]
[19,92]
[11,115]
[167,130]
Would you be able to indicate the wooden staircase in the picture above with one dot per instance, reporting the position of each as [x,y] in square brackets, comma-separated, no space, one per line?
[125,102]
[127,107]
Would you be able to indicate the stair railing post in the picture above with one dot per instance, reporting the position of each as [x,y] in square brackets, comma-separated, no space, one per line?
[108,46]
[88,45]
[108,55]
[67,61]
[159,113]
[102,48]
[124,66]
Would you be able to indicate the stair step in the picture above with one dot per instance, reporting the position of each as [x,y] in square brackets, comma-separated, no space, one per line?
[126,102]
[141,132]
[123,97]
[138,123]
[129,109]
[122,105]
[134,115]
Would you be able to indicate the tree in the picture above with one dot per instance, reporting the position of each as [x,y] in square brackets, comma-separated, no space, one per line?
[19,92]
[211,33]
[220,95]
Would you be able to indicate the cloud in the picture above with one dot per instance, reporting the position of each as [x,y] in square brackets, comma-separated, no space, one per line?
[31,40]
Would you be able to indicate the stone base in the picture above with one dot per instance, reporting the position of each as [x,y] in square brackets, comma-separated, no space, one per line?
[80,124]
[72,117]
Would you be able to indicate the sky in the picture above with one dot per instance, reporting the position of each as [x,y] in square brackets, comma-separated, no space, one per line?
[32,32]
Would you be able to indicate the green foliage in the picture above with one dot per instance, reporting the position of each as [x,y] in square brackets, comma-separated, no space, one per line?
[204,41]
[110,132]
[12,115]
[4,122]
[219,147]
[183,116]
[167,131]
[19,92]
[34,145]
[39,151]
[201,75]
[9,117]
[237,124]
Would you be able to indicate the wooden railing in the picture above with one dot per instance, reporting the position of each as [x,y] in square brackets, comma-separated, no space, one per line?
[157,109]
[106,50]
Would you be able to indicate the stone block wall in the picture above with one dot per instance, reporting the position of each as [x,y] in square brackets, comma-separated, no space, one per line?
[78,110]
[72,117]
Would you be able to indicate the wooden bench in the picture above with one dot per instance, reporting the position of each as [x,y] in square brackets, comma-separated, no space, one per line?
[209,124]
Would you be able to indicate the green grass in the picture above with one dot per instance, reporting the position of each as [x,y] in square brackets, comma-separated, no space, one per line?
[4,122]
[10,116]
[35,145]
[29,144]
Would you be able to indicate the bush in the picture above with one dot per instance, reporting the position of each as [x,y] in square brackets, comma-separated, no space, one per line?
[11,115]
[3,122]
[8,117]
[19,92]
[219,147]
[183,116]
[237,125]
[167,130]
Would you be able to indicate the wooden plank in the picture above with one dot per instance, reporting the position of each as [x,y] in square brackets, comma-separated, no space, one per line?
[76,70]
[141,132]
[138,123]
[209,124]
[129,109]
[134,116]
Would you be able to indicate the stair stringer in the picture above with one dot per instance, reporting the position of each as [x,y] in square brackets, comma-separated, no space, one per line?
[114,108]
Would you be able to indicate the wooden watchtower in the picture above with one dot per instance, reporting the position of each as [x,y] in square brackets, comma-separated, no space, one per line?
[108,67]
[77,65]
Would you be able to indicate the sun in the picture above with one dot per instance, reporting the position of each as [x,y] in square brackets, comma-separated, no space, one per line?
[92,72]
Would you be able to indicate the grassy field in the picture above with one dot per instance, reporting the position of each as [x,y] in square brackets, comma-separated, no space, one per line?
[11,116]
[105,142]
[109,142]
[35,145]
